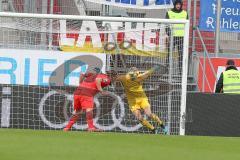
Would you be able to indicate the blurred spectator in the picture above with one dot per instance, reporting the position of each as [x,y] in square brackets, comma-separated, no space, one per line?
[6,6]
[177,30]
[229,81]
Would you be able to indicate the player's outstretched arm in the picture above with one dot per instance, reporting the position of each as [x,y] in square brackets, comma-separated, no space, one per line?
[148,73]
[143,76]
[120,78]
[99,86]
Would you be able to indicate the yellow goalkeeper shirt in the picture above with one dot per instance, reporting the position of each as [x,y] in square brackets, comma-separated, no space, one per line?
[133,88]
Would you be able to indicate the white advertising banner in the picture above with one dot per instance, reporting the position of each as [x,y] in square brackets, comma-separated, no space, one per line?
[34,67]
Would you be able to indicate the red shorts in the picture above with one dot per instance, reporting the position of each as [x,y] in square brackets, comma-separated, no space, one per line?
[83,102]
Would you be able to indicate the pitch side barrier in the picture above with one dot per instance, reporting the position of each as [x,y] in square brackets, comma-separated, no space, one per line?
[213,114]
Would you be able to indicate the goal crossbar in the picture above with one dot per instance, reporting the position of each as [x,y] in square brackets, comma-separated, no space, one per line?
[92,18]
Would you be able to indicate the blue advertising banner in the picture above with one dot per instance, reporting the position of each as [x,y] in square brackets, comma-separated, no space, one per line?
[137,4]
[230,15]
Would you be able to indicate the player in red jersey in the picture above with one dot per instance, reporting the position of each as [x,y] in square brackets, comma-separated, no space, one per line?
[90,84]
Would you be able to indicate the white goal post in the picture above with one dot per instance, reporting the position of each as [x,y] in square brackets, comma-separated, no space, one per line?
[48,42]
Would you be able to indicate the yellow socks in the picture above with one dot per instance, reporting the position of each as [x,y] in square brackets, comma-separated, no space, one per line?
[154,117]
[157,119]
[145,123]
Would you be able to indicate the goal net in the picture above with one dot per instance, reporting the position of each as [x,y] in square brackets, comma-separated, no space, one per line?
[42,56]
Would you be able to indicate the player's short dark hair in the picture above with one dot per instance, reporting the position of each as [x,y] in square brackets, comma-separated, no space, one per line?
[96,69]
[230,62]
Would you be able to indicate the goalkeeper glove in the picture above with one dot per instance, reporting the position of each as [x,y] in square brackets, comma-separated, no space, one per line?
[155,68]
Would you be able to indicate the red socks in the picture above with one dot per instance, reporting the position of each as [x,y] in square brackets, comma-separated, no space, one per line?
[89,118]
[72,120]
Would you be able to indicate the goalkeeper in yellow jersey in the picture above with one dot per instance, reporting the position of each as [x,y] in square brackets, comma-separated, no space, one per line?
[137,99]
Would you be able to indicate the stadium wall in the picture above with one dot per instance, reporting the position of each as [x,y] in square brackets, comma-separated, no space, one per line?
[213,115]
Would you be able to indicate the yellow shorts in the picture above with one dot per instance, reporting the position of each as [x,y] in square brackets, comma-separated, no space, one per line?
[138,103]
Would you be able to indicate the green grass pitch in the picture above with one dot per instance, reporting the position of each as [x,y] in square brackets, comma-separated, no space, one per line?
[58,145]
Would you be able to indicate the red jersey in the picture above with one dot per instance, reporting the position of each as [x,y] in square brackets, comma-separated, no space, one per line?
[88,86]
[106,81]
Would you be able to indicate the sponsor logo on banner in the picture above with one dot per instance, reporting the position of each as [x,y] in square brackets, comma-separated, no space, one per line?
[147,39]
[137,4]
[51,109]
[219,65]
[43,68]
[230,13]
